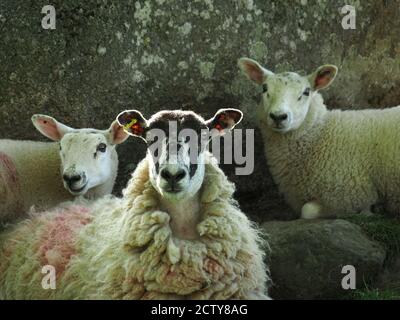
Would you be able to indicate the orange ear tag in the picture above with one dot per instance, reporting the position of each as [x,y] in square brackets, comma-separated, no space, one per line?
[137,129]
[130,124]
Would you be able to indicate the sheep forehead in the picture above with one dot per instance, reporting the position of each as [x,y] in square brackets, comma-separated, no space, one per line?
[183,119]
[287,82]
[84,139]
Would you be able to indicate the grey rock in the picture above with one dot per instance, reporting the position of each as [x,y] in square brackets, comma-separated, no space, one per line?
[307,258]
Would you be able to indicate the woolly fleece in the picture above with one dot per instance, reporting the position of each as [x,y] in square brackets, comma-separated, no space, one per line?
[344,161]
[128,251]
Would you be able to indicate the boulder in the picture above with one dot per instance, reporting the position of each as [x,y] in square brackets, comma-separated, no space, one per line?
[307,258]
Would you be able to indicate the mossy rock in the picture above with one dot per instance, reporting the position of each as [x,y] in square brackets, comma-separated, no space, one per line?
[307,258]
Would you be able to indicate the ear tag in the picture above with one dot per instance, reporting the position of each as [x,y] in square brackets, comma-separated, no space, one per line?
[130,124]
[220,121]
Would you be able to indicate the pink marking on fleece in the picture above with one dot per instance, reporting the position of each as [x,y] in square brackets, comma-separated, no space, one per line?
[9,175]
[213,267]
[57,243]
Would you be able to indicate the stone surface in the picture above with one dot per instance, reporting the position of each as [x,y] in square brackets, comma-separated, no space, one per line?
[105,56]
[307,258]
[390,278]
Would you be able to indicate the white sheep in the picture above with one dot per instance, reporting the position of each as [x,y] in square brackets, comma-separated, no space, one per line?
[326,162]
[43,174]
[177,233]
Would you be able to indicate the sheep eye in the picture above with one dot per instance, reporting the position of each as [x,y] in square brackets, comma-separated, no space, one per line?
[265,87]
[306,92]
[102,147]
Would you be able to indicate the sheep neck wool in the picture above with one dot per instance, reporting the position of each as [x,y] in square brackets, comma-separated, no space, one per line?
[186,267]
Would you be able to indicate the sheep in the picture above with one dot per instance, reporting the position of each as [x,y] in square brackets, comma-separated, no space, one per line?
[43,174]
[176,233]
[326,162]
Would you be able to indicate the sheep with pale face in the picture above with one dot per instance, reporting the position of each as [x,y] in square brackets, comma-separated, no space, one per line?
[81,162]
[177,232]
[326,162]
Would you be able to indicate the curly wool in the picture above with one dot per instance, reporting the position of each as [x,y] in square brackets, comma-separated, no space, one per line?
[345,161]
[128,251]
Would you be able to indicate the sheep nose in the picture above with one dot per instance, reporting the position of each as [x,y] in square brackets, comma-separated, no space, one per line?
[278,118]
[70,179]
[172,178]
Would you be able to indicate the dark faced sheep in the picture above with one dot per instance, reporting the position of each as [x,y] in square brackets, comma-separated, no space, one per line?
[177,232]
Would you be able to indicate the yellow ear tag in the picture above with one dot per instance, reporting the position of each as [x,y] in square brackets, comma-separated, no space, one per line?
[130,124]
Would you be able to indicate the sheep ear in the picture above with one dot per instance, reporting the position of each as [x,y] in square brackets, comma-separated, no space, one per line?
[323,77]
[133,122]
[116,134]
[225,120]
[50,127]
[253,70]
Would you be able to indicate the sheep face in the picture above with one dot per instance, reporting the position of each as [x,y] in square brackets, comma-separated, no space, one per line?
[176,143]
[86,160]
[287,96]
[88,156]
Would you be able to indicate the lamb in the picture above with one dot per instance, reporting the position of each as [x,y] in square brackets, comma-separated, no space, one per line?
[326,162]
[43,174]
[177,232]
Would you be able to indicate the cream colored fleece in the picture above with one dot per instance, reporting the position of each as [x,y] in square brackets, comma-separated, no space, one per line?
[124,249]
[37,178]
[30,177]
[344,160]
